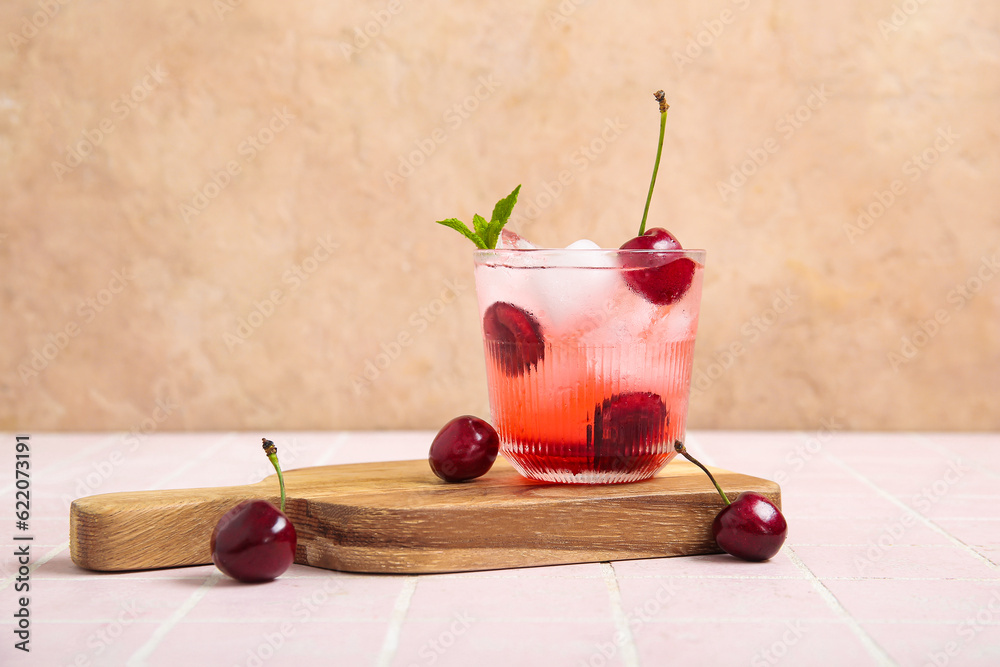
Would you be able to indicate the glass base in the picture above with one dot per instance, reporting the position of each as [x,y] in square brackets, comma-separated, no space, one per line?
[543,470]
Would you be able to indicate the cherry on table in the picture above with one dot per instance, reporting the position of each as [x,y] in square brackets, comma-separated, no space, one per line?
[253,542]
[663,283]
[464,448]
[751,527]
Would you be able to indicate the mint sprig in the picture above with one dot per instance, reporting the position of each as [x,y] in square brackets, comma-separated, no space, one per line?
[486,234]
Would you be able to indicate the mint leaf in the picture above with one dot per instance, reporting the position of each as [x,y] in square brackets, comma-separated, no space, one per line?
[504,207]
[481,226]
[501,213]
[486,234]
[462,229]
[492,235]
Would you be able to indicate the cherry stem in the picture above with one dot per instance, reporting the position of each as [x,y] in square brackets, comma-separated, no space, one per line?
[679,446]
[661,98]
[272,455]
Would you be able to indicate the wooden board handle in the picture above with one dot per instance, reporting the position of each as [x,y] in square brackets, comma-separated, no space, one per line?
[152,529]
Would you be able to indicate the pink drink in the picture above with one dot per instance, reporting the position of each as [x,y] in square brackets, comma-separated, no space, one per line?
[588,380]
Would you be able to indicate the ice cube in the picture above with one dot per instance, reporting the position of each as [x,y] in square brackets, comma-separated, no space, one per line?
[677,321]
[500,283]
[511,241]
[571,297]
[624,316]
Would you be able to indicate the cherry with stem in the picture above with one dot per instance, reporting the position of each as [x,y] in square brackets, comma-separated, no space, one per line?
[661,279]
[750,527]
[272,456]
[255,541]
[682,450]
[662,99]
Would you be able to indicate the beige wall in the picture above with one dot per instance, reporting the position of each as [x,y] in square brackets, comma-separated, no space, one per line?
[130,305]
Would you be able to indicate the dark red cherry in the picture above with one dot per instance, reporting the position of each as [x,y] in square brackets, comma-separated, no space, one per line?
[253,542]
[668,279]
[751,527]
[464,448]
[655,238]
[626,426]
[513,336]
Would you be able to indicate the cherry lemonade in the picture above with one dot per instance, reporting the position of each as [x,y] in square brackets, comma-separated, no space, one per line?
[589,356]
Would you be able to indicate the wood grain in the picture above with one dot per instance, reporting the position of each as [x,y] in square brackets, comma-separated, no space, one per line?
[397,517]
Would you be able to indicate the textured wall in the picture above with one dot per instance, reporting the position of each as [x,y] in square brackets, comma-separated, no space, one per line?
[219,215]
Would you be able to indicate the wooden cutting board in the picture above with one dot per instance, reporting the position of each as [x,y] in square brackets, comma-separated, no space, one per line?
[397,517]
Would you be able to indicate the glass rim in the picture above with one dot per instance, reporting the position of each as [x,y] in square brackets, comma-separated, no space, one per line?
[584,257]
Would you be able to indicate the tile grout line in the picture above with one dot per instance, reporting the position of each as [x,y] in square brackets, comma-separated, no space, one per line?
[909,510]
[62,463]
[552,620]
[871,646]
[630,652]
[391,641]
[926,443]
[143,652]
[636,577]
[58,549]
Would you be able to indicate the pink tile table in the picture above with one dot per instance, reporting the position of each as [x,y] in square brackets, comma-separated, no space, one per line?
[893,557]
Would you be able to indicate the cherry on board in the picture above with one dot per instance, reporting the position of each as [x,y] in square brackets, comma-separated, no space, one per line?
[464,448]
